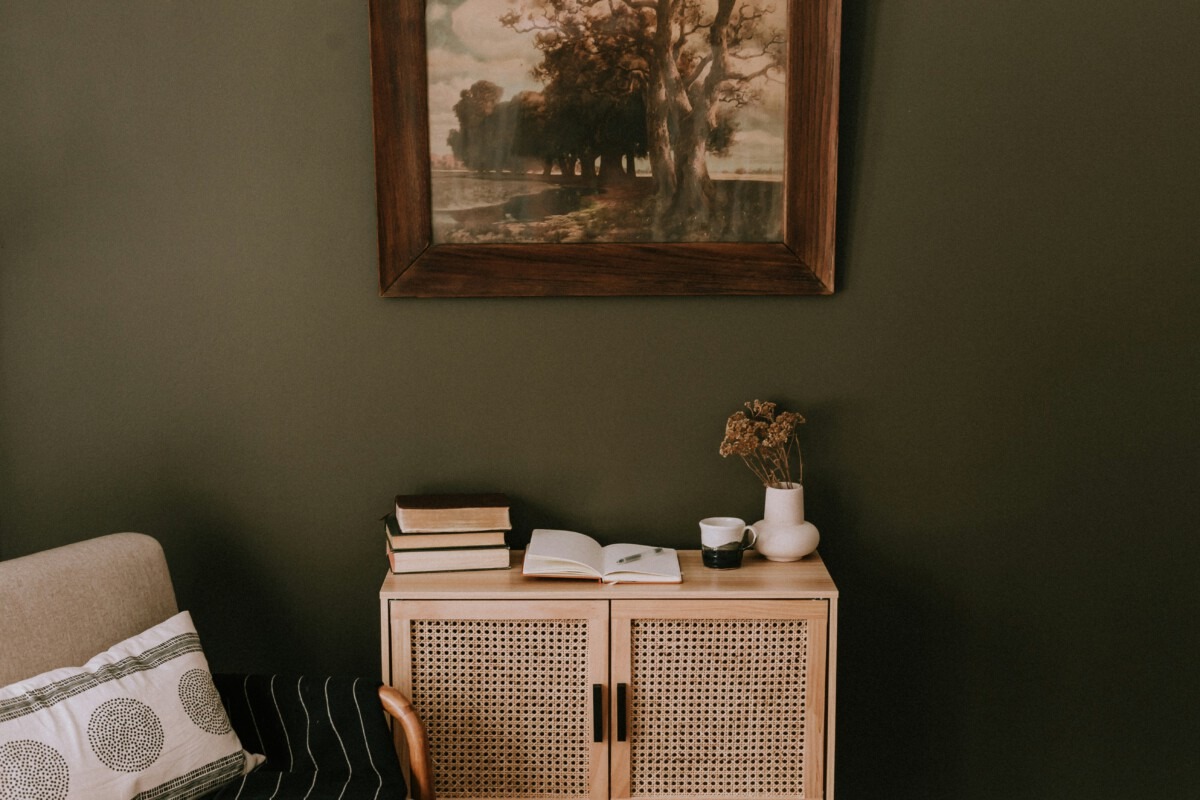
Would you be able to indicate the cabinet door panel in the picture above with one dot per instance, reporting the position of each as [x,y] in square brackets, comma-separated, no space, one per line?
[724,699]
[506,693]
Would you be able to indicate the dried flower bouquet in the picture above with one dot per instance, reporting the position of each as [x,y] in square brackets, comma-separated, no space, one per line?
[765,441]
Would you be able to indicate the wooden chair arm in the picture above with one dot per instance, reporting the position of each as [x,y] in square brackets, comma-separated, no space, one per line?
[400,708]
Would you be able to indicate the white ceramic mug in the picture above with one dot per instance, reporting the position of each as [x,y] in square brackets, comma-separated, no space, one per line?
[722,540]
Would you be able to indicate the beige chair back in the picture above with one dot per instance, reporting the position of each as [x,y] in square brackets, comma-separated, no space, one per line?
[60,607]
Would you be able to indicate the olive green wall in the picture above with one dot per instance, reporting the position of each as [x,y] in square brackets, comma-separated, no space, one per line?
[1002,441]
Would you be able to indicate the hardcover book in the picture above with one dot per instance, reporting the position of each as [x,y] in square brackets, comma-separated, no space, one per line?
[450,513]
[460,558]
[437,541]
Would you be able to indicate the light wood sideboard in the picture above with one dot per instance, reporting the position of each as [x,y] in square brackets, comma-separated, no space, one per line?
[718,687]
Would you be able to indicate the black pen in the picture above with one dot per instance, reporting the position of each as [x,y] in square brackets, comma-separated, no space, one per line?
[636,556]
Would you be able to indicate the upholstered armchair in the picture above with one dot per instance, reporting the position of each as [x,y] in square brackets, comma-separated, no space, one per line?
[87,630]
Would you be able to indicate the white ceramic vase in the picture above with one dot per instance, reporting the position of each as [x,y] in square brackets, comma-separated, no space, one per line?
[783,533]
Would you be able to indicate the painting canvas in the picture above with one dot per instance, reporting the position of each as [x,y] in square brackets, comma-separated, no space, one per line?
[573,121]
[605,147]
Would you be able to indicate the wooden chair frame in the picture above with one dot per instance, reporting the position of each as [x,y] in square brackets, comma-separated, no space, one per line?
[401,709]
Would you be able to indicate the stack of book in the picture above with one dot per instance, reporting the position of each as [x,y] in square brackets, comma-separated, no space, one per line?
[447,532]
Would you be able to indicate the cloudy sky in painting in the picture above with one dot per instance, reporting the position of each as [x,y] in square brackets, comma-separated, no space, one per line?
[466,43]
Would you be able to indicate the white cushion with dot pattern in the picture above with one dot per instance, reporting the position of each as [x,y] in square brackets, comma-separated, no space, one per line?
[140,720]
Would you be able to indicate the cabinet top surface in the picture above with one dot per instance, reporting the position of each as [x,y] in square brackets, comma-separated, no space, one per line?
[756,578]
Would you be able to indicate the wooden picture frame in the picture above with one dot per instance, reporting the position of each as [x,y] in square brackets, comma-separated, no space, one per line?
[411,265]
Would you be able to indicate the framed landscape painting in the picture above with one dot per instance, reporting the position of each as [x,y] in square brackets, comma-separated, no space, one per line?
[605,147]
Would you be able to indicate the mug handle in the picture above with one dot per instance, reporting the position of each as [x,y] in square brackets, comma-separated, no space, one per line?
[753,537]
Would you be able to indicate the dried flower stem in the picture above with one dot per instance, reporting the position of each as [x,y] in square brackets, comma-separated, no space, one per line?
[764,441]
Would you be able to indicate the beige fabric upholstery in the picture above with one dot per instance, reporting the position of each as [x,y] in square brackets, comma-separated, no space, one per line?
[60,607]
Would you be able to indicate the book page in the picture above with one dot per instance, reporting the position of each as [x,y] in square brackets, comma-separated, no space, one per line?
[560,551]
[664,564]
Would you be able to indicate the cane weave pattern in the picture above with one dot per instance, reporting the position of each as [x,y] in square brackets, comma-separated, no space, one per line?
[506,705]
[718,707]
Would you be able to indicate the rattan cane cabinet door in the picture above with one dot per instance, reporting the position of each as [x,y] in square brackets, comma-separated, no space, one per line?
[507,694]
[723,699]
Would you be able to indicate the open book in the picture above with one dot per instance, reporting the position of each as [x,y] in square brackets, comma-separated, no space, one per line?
[566,554]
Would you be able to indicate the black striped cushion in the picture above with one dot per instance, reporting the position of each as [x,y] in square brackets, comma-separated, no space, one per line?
[323,738]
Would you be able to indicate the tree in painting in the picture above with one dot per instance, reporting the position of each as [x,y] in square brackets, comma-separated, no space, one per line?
[684,66]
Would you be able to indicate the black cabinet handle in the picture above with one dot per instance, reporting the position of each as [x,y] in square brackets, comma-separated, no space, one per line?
[622,702]
[597,713]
